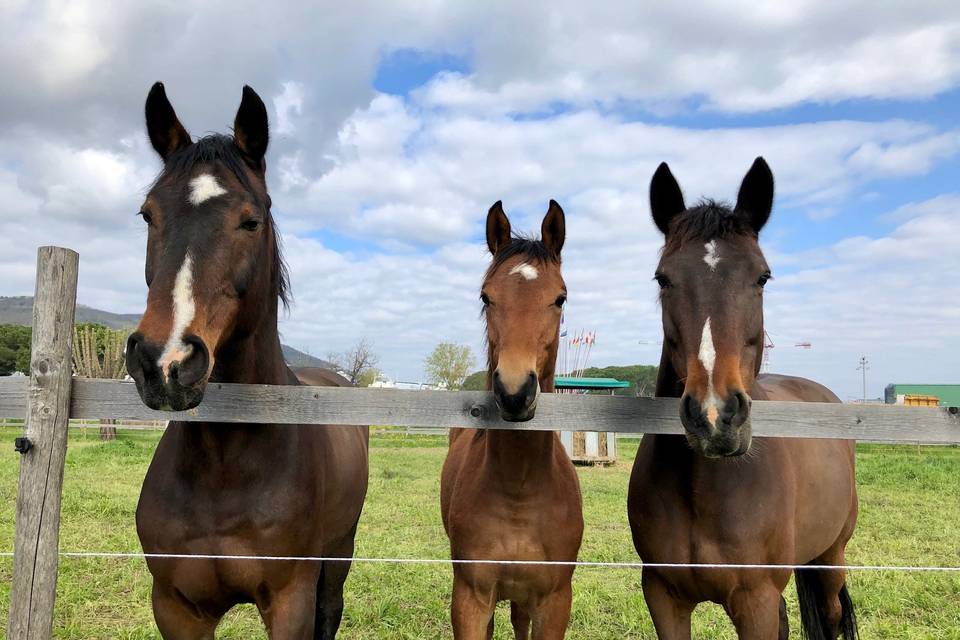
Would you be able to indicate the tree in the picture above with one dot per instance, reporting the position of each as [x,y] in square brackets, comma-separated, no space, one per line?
[448,364]
[476,381]
[14,349]
[98,352]
[356,362]
[368,377]
[642,378]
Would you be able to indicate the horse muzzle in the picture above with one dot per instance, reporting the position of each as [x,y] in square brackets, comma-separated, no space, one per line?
[717,432]
[517,405]
[177,385]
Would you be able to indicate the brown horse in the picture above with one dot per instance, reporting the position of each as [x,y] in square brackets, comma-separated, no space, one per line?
[714,496]
[514,495]
[215,278]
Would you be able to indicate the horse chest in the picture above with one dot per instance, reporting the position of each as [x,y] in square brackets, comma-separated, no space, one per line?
[200,506]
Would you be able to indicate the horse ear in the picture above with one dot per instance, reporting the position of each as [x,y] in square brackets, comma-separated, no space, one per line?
[755,198]
[166,133]
[498,228]
[666,199]
[553,230]
[250,128]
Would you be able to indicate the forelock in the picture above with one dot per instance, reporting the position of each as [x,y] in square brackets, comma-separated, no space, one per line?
[706,221]
[532,250]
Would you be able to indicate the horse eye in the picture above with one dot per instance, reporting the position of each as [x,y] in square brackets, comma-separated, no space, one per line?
[663,281]
[764,279]
[484,299]
[251,224]
[560,300]
[146,217]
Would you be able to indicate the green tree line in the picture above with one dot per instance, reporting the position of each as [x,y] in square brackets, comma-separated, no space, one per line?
[642,379]
[15,345]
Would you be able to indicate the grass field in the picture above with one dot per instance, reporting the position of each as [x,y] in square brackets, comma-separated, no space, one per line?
[910,515]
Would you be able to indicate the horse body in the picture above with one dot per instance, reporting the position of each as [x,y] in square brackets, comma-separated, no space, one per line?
[216,276]
[229,489]
[787,502]
[715,495]
[514,495]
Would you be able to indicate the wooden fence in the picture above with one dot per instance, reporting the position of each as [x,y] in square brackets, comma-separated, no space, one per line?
[49,398]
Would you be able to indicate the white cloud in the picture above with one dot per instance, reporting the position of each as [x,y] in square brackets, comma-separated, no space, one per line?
[890,297]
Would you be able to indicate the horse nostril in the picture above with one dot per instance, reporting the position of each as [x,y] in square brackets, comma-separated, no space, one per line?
[134,355]
[193,368]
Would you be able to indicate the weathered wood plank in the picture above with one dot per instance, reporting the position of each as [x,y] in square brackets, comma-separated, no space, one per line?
[13,397]
[37,538]
[565,412]
[327,405]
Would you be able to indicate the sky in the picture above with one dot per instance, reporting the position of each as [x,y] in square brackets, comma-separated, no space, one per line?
[396,125]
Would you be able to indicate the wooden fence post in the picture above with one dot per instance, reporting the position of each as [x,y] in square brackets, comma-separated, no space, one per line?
[44,447]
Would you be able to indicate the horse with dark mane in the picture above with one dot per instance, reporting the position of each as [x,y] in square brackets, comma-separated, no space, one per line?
[216,278]
[716,495]
[514,495]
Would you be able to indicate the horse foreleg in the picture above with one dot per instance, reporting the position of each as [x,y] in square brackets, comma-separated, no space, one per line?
[671,616]
[520,622]
[784,620]
[291,612]
[330,588]
[471,613]
[755,612]
[179,619]
[553,614]
[329,611]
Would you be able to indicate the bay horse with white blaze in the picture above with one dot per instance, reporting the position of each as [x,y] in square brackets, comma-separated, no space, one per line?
[715,495]
[514,495]
[215,277]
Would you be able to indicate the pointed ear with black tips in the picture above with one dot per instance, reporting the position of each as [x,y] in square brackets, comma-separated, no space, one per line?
[166,133]
[498,228]
[755,198]
[666,198]
[250,128]
[553,230]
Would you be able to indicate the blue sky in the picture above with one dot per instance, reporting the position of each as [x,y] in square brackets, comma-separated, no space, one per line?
[394,129]
[403,71]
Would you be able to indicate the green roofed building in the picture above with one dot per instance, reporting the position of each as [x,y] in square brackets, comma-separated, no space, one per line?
[947,394]
[590,384]
[589,447]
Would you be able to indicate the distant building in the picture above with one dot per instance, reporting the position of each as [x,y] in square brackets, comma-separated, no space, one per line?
[944,395]
[383,382]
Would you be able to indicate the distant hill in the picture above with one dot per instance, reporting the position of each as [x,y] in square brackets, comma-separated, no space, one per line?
[19,310]
[296,358]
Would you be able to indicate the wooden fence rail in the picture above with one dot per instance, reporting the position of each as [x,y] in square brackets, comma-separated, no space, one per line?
[49,398]
[561,412]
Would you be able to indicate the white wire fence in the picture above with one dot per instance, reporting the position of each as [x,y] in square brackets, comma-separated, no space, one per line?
[545,563]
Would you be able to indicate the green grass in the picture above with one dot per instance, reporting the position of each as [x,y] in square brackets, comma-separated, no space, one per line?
[910,514]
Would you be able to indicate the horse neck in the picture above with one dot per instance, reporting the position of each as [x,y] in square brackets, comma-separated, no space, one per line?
[254,358]
[521,455]
[669,385]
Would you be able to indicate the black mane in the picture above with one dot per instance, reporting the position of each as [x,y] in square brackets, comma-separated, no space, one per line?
[220,149]
[707,220]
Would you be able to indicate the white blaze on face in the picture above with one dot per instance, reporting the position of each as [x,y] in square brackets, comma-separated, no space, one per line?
[526,270]
[712,258]
[708,358]
[183,311]
[204,187]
